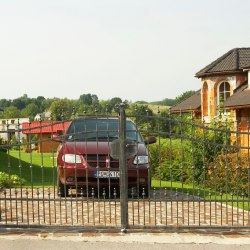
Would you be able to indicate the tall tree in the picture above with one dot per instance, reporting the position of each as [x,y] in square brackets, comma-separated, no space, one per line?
[4,103]
[89,99]
[114,101]
[46,103]
[11,112]
[30,111]
[21,102]
[38,101]
[62,107]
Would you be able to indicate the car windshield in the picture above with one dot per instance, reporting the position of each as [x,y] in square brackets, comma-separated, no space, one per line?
[100,130]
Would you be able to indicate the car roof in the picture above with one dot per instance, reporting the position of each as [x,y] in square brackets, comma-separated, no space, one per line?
[99,118]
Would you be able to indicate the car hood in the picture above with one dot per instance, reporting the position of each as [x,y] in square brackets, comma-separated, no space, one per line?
[102,148]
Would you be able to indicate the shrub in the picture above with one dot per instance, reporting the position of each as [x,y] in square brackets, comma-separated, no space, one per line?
[230,174]
[186,155]
[168,160]
[8,181]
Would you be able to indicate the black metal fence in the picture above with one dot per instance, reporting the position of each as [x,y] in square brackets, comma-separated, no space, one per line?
[105,175]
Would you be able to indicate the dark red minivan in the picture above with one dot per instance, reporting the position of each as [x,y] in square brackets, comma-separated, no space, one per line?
[84,159]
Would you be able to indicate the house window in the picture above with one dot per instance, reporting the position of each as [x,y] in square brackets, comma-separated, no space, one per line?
[205,99]
[223,94]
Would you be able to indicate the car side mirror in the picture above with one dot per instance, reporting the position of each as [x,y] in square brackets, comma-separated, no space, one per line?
[57,137]
[150,140]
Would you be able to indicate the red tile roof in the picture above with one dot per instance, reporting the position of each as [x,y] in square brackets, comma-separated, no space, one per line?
[44,127]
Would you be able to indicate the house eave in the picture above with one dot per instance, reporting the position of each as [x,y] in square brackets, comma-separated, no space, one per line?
[238,107]
[185,110]
[218,73]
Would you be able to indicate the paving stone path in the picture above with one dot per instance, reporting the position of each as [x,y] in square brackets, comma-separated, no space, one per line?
[44,207]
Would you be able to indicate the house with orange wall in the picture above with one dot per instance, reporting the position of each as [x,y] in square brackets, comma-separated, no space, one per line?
[44,131]
[224,91]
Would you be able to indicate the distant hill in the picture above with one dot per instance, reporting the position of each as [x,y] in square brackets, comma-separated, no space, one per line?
[169,102]
[155,108]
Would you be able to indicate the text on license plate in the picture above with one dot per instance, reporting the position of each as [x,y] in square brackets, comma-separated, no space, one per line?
[107,174]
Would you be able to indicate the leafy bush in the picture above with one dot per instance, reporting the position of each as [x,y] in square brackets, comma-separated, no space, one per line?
[230,174]
[168,160]
[8,181]
[187,153]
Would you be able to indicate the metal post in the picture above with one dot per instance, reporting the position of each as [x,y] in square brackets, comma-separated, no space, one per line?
[123,170]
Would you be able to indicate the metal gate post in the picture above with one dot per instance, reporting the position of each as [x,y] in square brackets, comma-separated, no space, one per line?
[123,170]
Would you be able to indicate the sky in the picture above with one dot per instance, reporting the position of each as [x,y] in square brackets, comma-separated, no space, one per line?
[133,49]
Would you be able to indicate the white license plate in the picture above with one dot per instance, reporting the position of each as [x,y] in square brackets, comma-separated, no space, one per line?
[107,174]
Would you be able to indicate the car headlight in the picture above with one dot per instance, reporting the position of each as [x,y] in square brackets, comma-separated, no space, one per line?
[71,158]
[141,159]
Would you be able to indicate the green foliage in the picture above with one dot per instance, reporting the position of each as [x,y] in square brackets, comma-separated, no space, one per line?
[168,161]
[4,103]
[86,104]
[46,103]
[187,149]
[142,116]
[61,109]
[89,99]
[11,112]
[21,102]
[30,111]
[230,174]
[9,181]
[165,102]
[114,101]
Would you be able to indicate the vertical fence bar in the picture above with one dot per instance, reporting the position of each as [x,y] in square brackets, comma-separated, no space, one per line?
[123,170]
[248,170]
[182,165]
[193,165]
[9,169]
[170,162]
[204,167]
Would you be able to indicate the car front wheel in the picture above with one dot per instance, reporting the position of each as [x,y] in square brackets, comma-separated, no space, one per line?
[62,190]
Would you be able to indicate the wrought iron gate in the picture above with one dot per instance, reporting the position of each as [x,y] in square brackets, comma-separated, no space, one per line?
[198,174]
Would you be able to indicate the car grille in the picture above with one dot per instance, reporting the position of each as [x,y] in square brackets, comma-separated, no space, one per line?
[100,180]
[102,161]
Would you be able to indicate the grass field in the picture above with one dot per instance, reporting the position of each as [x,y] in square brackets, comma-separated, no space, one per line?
[155,108]
[240,201]
[36,169]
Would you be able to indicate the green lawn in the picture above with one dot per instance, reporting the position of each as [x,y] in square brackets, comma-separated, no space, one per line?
[28,167]
[239,200]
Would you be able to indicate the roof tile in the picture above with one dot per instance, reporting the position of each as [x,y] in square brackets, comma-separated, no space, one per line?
[233,60]
[190,104]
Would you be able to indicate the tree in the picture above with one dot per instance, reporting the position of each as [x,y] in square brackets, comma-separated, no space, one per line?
[4,103]
[11,112]
[21,102]
[46,103]
[61,107]
[30,111]
[114,101]
[86,99]
[142,115]
[38,101]
[89,99]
